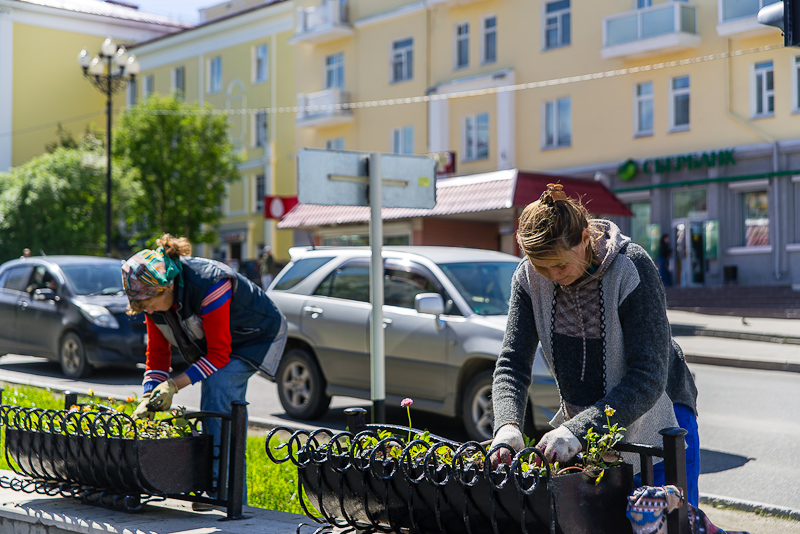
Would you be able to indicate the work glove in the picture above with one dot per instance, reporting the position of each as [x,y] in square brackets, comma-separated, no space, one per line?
[142,411]
[511,435]
[559,445]
[161,396]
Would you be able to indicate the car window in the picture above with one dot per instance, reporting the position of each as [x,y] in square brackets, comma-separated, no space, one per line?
[403,280]
[95,278]
[298,272]
[486,286]
[350,281]
[16,278]
[41,278]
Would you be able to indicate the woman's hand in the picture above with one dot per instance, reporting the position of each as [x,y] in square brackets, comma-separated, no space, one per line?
[510,435]
[161,396]
[559,445]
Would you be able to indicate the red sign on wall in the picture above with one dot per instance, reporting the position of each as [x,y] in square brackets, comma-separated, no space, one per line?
[277,207]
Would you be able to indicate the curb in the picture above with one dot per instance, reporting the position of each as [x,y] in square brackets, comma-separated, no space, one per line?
[765,365]
[750,506]
[690,330]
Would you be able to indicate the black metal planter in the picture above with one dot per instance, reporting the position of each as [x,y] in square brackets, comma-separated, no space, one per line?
[100,458]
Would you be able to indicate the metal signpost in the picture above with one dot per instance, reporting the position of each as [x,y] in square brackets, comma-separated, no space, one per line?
[340,178]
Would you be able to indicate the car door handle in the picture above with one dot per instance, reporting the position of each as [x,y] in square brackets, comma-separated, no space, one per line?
[313,311]
[22,305]
[386,322]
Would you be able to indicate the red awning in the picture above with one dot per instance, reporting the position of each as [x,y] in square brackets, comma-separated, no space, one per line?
[490,191]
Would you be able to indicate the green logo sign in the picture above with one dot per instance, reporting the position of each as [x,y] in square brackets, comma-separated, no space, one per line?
[627,170]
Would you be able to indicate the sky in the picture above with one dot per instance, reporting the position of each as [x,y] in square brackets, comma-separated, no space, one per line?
[183,10]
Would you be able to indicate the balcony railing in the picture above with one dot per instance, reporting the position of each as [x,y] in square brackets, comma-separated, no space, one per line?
[322,23]
[653,30]
[739,17]
[323,108]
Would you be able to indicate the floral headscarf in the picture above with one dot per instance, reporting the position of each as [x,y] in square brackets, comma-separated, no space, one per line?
[148,272]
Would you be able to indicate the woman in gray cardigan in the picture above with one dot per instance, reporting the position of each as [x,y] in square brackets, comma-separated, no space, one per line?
[596,303]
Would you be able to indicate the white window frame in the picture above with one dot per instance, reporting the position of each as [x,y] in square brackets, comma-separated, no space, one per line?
[740,189]
[214,75]
[555,20]
[554,106]
[639,100]
[259,198]
[260,125]
[334,71]
[179,80]
[337,143]
[149,85]
[470,144]
[674,95]
[486,33]
[401,140]
[402,56]
[460,33]
[643,4]
[759,74]
[260,63]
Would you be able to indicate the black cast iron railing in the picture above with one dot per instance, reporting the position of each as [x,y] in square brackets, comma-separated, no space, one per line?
[357,480]
[101,458]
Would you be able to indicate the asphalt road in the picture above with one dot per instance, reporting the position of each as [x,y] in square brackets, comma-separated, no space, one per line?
[749,424]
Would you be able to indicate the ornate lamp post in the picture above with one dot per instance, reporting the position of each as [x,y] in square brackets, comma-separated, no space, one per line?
[109,71]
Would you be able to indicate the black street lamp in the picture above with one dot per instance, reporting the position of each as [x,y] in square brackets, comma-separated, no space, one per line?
[109,71]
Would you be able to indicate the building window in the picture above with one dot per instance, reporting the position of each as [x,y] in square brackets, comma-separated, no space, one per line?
[215,75]
[260,192]
[558,123]
[179,81]
[641,4]
[764,91]
[796,83]
[334,71]
[556,24]
[260,64]
[335,144]
[132,92]
[149,85]
[756,218]
[489,41]
[462,45]
[403,140]
[679,103]
[644,109]
[476,137]
[403,60]
[260,137]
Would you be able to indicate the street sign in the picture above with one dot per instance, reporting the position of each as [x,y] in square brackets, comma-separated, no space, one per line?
[341,178]
[276,207]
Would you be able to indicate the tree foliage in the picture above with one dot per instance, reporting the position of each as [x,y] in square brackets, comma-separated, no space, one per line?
[55,203]
[182,158]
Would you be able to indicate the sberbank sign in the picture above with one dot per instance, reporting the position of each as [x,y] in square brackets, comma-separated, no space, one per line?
[719,158]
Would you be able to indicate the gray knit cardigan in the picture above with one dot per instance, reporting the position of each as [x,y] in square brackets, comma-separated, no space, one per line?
[607,340]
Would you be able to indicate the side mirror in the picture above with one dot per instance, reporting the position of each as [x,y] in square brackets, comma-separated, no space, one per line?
[432,303]
[44,294]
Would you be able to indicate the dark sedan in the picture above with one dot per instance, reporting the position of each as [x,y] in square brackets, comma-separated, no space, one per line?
[69,309]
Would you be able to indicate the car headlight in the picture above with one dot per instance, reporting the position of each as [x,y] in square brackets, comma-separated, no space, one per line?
[98,315]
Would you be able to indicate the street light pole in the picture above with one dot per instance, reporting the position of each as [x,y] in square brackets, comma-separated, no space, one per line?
[109,71]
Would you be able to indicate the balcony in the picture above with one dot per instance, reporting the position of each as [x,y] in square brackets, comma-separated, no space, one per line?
[322,109]
[322,23]
[738,17]
[654,30]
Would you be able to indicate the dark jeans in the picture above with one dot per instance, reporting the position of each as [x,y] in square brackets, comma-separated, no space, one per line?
[663,270]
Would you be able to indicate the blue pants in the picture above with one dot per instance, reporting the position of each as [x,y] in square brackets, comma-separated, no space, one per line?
[688,421]
[218,391]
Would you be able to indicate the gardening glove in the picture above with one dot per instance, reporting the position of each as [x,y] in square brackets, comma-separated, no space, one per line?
[559,445]
[161,397]
[511,435]
[142,411]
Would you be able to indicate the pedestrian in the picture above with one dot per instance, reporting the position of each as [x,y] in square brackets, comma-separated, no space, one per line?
[265,266]
[225,326]
[26,253]
[664,255]
[594,301]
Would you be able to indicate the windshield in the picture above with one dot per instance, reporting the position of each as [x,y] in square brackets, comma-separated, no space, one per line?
[485,286]
[95,279]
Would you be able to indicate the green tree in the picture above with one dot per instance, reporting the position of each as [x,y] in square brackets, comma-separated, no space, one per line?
[55,203]
[182,157]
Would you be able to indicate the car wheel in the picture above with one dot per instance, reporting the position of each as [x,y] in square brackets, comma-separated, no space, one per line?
[72,356]
[476,407]
[301,387]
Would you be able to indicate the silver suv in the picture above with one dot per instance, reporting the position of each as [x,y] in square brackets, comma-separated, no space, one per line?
[444,315]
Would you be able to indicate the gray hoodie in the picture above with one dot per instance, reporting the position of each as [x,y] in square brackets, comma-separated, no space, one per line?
[607,340]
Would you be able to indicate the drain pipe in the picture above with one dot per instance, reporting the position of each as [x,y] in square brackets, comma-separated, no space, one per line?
[776,211]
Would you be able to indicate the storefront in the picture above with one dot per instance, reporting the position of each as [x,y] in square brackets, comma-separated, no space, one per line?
[729,214]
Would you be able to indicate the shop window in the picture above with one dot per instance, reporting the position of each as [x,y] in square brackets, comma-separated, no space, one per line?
[689,204]
[640,223]
[644,109]
[755,209]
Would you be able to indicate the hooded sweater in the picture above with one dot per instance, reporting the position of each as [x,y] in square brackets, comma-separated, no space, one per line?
[607,340]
